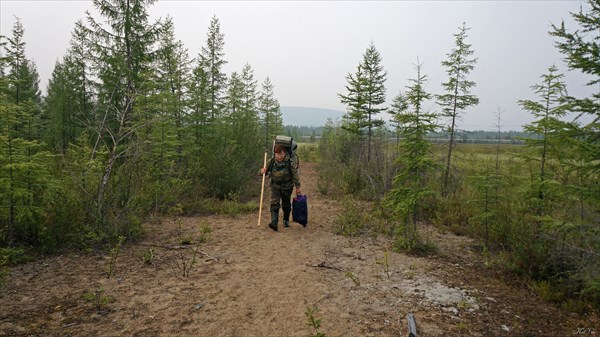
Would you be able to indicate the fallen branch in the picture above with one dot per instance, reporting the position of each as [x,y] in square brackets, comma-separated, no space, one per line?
[323,265]
[205,254]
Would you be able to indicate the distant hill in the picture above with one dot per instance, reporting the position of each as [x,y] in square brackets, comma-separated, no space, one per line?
[304,116]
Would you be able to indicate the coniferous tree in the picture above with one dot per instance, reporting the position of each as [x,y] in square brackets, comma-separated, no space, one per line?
[398,107]
[212,57]
[457,97]
[24,177]
[548,111]
[355,100]
[250,86]
[581,48]
[408,198]
[243,128]
[271,114]
[199,102]
[161,150]
[366,94]
[173,73]
[122,54]
[60,107]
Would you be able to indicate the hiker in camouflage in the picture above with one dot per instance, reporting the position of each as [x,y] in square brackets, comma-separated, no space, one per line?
[284,176]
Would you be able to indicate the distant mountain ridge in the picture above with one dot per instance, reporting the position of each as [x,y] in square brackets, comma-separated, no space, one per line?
[306,116]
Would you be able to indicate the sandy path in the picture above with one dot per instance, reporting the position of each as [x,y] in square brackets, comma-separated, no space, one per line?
[262,283]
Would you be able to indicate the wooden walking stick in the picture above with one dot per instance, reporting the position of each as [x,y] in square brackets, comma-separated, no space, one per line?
[262,190]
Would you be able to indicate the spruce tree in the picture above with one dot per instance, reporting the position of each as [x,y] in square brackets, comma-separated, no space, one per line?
[122,53]
[457,97]
[24,175]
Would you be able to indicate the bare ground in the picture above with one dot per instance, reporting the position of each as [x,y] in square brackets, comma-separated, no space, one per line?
[251,281]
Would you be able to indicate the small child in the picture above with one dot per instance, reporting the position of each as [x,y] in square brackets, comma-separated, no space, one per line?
[284,176]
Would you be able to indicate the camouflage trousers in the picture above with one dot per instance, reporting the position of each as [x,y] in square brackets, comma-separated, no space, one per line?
[281,197]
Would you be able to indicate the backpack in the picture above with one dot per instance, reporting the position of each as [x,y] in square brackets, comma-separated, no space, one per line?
[290,147]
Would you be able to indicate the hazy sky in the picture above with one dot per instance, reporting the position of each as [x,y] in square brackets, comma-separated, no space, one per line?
[307,48]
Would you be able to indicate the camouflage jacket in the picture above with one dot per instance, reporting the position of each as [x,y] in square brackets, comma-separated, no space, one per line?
[284,174]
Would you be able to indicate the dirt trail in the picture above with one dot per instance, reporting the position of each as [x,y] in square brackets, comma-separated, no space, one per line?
[256,282]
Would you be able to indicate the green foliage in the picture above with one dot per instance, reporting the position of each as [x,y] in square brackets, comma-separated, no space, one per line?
[97,298]
[4,273]
[366,94]
[13,256]
[272,120]
[314,322]
[353,277]
[113,255]
[186,263]
[457,95]
[147,257]
[351,221]
[308,152]
[408,241]
[385,263]
[412,196]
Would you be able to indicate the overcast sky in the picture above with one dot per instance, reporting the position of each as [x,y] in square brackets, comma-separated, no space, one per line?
[307,48]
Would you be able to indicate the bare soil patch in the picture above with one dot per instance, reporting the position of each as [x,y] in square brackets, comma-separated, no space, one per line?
[251,281]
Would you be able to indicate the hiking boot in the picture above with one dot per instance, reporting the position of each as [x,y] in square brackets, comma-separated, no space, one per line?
[286,219]
[274,220]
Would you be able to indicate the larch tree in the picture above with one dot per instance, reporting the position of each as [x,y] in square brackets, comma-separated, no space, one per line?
[365,96]
[548,112]
[398,107]
[199,102]
[354,99]
[269,107]
[581,48]
[408,198]
[457,96]
[213,59]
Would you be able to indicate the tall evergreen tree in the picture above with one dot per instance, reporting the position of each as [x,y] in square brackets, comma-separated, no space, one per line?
[78,61]
[366,94]
[250,99]
[398,107]
[199,101]
[410,191]
[242,121]
[355,100]
[581,49]
[24,83]
[173,71]
[548,111]
[24,177]
[212,57]
[457,97]
[60,107]
[271,113]
[122,54]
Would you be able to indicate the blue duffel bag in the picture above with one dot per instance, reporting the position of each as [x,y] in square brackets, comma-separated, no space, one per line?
[300,209]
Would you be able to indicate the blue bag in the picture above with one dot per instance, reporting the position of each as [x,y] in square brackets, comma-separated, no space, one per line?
[300,209]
